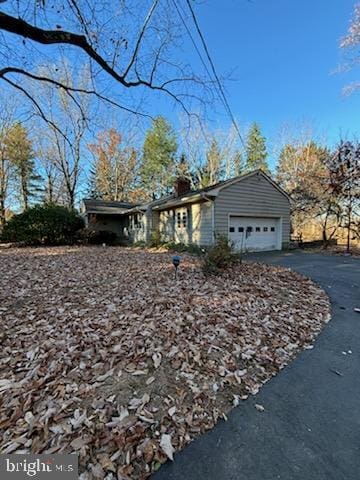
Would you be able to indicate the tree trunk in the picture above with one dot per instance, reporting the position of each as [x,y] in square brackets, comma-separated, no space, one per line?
[348,234]
[2,212]
[349,226]
[324,237]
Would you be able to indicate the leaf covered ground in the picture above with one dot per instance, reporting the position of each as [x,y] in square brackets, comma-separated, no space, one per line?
[104,354]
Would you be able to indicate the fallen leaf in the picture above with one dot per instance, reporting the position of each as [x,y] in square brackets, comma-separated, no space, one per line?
[166,446]
[259,407]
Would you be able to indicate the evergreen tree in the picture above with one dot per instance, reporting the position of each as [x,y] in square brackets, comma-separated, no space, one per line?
[20,154]
[158,161]
[256,153]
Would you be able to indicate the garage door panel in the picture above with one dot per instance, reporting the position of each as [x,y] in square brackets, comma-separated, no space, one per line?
[254,233]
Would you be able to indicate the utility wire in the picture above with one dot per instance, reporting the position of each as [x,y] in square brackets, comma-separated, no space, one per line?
[217,83]
[194,44]
[221,90]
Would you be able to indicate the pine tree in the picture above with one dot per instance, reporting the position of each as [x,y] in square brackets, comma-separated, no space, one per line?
[158,160]
[256,152]
[20,154]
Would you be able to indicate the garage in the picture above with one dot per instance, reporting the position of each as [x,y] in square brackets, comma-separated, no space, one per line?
[255,233]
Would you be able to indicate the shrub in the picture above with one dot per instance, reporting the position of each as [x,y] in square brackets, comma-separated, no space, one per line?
[192,248]
[155,240]
[43,225]
[220,256]
[139,244]
[97,237]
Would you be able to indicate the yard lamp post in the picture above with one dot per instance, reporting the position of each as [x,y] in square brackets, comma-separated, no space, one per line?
[176,262]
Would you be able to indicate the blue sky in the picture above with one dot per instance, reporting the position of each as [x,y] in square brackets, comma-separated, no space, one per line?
[281,56]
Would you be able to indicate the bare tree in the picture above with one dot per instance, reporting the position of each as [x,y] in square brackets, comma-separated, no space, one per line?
[115,167]
[344,185]
[350,43]
[6,170]
[212,155]
[45,153]
[128,45]
[64,138]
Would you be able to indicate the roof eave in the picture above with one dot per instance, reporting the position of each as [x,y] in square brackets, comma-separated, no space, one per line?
[184,200]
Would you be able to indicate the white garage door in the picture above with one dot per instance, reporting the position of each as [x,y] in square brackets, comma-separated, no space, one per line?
[255,233]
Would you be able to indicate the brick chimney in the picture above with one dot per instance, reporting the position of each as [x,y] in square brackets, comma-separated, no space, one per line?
[182,185]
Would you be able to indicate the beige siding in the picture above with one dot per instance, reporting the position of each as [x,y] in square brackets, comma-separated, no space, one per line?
[206,227]
[137,233]
[165,225]
[195,223]
[199,224]
[255,196]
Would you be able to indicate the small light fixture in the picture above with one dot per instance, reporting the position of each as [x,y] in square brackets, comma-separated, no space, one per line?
[176,262]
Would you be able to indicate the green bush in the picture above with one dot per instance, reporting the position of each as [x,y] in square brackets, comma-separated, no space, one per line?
[192,248]
[43,225]
[155,240]
[220,256]
[139,244]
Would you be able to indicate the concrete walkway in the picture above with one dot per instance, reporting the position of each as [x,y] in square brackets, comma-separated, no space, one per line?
[310,429]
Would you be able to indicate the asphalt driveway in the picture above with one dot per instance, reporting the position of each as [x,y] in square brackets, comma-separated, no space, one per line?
[310,429]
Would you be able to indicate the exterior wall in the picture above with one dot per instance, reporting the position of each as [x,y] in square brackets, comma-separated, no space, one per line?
[181,233]
[199,224]
[254,196]
[166,225]
[155,222]
[137,233]
[206,236]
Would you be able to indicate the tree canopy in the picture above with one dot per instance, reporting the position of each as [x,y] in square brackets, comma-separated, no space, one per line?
[126,46]
[158,159]
[256,153]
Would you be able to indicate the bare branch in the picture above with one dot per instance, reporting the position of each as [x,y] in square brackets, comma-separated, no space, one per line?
[140,37]
[69,89]
[36,104]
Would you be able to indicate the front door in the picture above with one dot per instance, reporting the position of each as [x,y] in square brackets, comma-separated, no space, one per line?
[182,225]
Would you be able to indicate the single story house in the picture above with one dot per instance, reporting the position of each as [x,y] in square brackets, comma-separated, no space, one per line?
[252,210]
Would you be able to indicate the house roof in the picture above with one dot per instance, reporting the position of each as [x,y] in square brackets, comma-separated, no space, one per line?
[172,200]
[212,191]
[92,205]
